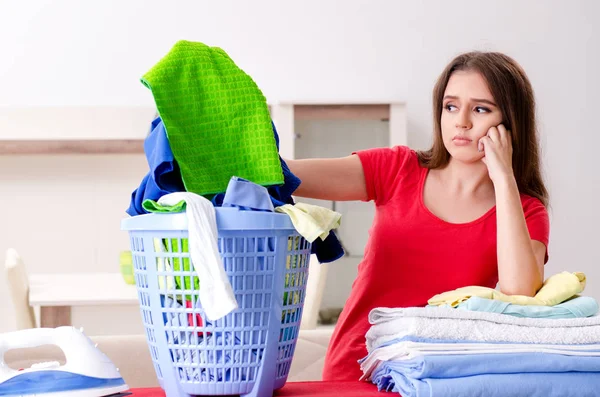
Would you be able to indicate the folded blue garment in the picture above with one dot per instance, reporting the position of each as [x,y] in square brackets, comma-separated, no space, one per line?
[412,338]
[565,384]
[456,366]
[498,374]
[164,176]
[582,306]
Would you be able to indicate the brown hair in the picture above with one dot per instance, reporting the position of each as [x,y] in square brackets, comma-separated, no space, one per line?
[513,93]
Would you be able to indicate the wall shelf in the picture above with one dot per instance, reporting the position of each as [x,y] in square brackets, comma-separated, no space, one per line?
[74,129]
[71,146]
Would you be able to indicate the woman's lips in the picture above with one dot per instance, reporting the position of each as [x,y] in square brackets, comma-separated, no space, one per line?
[461,141]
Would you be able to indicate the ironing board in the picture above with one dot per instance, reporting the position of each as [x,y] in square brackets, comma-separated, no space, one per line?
[300,389]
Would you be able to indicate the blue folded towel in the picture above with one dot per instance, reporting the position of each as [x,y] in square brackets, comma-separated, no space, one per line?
[565,384]
[582,306]
[490,374]
[461,365]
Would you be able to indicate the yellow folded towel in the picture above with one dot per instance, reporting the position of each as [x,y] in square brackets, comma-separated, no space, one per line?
[556,289]
[311,221]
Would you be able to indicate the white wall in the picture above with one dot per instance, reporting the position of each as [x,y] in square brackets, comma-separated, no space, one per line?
[63,215]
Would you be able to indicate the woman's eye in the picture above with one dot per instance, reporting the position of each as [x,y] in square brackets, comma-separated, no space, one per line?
[450,108]
[481,109]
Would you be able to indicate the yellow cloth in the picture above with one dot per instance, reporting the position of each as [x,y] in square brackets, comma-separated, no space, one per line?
[311,221]
[556,289]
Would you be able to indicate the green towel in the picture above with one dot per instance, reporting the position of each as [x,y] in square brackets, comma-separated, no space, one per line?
[216,118]
[152,206]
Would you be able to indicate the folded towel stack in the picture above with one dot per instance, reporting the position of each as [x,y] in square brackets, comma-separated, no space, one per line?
[441,351]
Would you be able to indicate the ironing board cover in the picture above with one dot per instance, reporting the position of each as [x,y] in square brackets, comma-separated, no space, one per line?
[296,389]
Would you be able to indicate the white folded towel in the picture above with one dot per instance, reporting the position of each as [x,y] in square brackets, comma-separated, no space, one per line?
[427,348]
[383,314]
[458,325]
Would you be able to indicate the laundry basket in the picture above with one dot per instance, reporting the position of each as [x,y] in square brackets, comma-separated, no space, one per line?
[249,351]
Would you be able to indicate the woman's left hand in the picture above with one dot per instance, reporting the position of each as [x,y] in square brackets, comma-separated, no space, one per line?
[497,147]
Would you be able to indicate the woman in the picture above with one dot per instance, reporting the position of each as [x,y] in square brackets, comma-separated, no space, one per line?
[469,211]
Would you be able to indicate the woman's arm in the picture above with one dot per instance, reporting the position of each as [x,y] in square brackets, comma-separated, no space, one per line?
[337,179]
[520,259]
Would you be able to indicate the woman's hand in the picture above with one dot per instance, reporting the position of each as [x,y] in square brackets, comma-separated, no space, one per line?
[497,147]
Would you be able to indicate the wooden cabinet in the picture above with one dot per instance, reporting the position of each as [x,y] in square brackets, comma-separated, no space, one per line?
[287,116]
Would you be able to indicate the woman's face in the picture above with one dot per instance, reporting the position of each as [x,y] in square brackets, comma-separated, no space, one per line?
[469,111]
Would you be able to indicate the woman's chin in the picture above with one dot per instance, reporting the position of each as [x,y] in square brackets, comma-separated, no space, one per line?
[466,155]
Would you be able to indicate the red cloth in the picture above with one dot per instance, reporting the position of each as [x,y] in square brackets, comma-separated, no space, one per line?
[190,318]
[412,254]
[298,389]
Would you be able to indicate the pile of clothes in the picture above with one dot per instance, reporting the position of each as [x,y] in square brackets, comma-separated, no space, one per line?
[213,144]
[213,124]
[476,341]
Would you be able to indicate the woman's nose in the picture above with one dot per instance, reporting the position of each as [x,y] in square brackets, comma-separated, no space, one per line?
[463,121]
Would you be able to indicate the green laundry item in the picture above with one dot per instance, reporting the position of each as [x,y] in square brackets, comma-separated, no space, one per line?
[216,118]
[183,264]
[153,206]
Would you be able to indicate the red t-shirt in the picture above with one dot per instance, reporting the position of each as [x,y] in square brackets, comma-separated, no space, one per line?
[411,254]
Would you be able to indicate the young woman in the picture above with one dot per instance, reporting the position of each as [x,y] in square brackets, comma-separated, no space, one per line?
[469,211]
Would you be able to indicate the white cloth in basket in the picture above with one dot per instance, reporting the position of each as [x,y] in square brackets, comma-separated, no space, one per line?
[216,295]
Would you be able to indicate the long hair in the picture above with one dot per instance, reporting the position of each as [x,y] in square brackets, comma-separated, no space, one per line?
[513,93]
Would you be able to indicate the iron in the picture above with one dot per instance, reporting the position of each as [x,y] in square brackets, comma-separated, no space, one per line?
[87,372]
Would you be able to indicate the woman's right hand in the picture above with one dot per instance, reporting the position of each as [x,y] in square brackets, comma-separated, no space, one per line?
[336,179]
